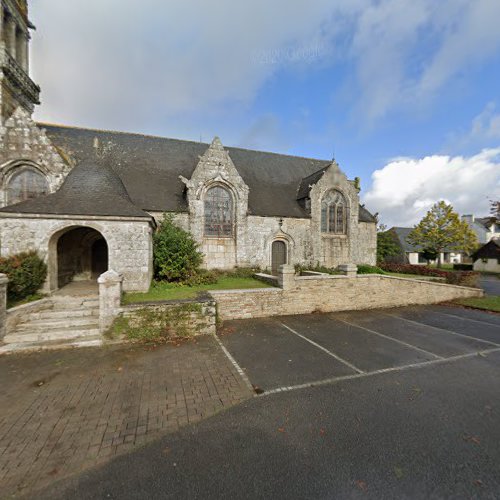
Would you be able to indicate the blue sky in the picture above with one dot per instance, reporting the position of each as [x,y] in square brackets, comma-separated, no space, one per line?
[404,93]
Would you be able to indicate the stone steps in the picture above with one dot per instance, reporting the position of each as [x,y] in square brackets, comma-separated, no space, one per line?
[64,321]
[57,324]
[51,334]
[52,314]
[90,341]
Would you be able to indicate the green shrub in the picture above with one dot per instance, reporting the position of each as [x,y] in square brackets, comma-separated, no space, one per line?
[176,256]
[367,269]
[202,277]
[26,272]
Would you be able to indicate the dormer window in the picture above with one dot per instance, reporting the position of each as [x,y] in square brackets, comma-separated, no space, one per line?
[333,213]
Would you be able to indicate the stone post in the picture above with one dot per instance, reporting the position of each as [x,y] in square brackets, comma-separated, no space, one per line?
[350,270]
[110,295]
[3,305]
[286,277]
[10,36]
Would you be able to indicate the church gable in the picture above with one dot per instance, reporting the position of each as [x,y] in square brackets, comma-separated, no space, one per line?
[25,146]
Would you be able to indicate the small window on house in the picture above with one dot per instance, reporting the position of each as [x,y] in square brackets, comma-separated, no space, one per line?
[333,213]
[218,213]
[26,184]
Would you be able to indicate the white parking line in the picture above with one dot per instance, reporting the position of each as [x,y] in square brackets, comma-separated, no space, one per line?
[391,338]
[238,368]
[334,380]
[466,319]
[442,329]
[350,365]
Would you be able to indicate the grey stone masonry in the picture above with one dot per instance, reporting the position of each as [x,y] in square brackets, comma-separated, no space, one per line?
[110,295]
[286,277]
[129,244]
[3,305]
[216,168]
[335,293]
[349,270]
[23,143]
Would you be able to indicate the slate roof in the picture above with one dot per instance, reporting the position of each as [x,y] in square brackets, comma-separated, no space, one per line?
[403,232]
[490,250]
[486,222]
[149,168]
[89,189]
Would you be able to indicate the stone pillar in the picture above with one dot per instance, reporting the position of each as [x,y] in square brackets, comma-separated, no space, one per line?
[3,304]
[286,277]
[110,295]
[10,36]
[1,25]
[22,50]
[350,270]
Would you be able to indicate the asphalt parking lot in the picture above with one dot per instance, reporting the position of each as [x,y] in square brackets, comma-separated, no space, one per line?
[285,352]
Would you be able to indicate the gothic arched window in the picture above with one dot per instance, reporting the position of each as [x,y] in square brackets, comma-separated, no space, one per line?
[333,213]
[218,212]
[25,184]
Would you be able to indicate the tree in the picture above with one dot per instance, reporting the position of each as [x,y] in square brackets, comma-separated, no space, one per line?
[176,256]
[387,244]
[441,229]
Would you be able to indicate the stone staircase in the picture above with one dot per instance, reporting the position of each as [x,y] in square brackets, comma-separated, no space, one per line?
[58,321]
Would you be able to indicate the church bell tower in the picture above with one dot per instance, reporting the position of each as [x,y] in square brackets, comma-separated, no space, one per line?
[16,87]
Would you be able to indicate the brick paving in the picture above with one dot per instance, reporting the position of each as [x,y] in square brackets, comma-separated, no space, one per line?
[63,411]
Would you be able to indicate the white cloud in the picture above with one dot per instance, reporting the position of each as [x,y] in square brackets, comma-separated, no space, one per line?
[487,124]
[405,189]
[148,65]
[484,131]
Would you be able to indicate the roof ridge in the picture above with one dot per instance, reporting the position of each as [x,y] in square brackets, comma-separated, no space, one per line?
[153,136]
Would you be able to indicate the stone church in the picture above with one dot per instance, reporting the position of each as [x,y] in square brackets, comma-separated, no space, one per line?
[89,200]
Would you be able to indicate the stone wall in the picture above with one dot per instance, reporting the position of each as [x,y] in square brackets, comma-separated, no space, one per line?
[23,143]
[3,305]
[183,318]
[129,244]
[335,293]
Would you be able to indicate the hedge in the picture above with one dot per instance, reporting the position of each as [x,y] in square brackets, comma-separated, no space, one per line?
[26,272]
[462,278]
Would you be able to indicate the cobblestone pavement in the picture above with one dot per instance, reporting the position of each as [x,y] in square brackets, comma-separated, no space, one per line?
[63,411]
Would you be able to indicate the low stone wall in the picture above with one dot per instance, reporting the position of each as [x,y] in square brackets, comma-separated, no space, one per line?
[3,305]
[182,318]
[18,313]
[307,294]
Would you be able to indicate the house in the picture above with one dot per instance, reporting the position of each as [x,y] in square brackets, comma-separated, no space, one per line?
[413,254]
[487,258]
[486,228]
[89,200]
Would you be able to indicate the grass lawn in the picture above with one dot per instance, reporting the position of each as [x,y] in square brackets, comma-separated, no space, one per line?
[490,302]
[174,291]
[27,300]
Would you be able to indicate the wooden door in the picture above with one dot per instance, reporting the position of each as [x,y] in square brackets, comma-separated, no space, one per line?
[278,255]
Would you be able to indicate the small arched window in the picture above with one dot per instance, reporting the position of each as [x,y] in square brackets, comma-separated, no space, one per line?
[25,184]
[333,213]
[218,212]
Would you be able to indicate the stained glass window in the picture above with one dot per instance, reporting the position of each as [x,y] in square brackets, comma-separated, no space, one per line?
[333,213]
[218,212]
[26,184]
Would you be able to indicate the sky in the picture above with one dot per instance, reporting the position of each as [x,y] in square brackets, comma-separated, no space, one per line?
[404,94]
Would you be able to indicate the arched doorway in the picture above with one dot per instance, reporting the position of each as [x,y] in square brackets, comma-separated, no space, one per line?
[278,255]
[82,255]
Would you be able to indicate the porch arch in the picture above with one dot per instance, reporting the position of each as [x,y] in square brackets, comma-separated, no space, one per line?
[76,253]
